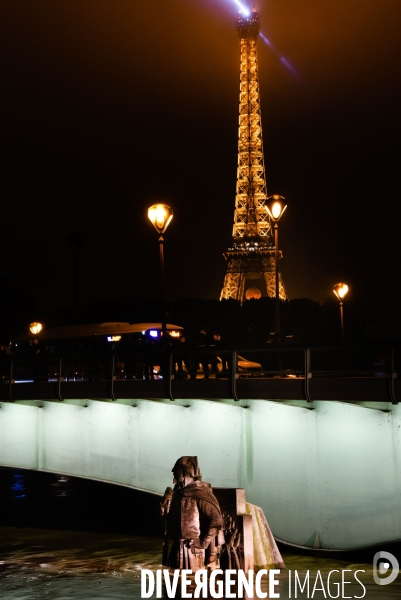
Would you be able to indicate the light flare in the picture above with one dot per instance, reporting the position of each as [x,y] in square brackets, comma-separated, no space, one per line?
[244,9]
[282,59]
[290,67]
[268,42]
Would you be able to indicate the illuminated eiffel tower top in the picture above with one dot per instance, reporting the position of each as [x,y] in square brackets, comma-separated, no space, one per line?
[250,218]
[253,254]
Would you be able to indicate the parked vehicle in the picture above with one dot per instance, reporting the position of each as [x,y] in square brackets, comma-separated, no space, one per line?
[247,366]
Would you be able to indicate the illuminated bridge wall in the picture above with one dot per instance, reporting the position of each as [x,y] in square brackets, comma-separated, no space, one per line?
[334,469]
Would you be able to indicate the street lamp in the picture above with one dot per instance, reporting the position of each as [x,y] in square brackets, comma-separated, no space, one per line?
[275,207]
[35,328]
[160,215]
[341,290]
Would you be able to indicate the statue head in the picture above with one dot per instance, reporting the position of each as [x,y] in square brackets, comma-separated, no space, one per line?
[186,470]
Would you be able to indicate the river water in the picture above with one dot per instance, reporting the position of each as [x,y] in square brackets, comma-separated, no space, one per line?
[68,538]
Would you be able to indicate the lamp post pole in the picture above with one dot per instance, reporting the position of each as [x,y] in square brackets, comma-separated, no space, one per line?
[278,324]
[275,207]
[340,290]
[163,285]
[160,216]
[342,319]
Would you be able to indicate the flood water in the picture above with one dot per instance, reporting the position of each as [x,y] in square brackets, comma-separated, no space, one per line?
[68,538]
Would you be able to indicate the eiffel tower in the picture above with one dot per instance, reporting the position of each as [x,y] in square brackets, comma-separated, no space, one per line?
[251,259]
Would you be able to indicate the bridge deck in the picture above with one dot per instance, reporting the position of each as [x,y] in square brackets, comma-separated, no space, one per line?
[342,388]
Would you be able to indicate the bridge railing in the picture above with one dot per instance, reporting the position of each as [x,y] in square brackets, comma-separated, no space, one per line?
[232,373]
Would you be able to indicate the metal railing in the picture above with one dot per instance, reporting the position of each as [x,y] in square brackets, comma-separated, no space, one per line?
[273,363]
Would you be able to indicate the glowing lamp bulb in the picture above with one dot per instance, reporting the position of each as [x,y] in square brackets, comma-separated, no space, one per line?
[160,215]
[275,207]
[35,328]
[340,290]
[276,210]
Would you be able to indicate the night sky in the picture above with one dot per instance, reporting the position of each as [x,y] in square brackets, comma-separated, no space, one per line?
[111,105]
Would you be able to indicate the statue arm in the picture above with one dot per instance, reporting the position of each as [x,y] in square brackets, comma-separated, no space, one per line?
[166,502]
[211,522]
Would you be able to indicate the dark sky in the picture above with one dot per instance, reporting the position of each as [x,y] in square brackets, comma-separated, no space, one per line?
[111,105]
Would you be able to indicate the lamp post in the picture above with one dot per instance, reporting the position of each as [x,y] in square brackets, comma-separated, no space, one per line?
[341,290]
[160,215]
[275,207]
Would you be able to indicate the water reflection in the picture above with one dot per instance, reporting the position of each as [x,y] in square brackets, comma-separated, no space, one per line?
[65,538]
[18,485]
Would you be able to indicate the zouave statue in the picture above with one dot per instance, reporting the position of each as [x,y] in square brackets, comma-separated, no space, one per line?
[193,520]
